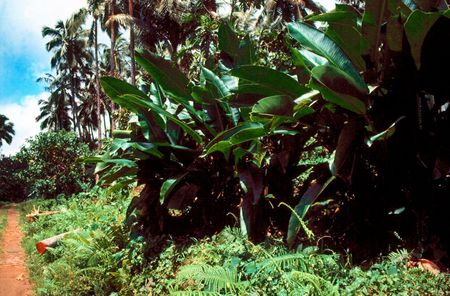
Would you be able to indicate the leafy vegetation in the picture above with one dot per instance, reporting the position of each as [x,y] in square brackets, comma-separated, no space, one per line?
[102,259]
[6,130]
[3,219]
[277,149]
[241,127]
[11,187]
[51,165]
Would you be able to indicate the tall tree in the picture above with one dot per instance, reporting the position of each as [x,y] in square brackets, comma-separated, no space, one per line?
[96,9]
[54,111]
[132,42]
[70,55]
[6,130]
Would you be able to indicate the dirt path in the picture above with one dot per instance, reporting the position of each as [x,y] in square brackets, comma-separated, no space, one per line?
[14,279]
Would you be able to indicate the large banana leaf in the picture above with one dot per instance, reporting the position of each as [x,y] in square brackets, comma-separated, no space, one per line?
[271,82]
[339,88]
[217,82]
[165,73]
[114,88]
[374,16]
[134,103]
[305,58]
[242,133]
[241,51]
[274,106]
[344,30]
[417,26]
[320,43]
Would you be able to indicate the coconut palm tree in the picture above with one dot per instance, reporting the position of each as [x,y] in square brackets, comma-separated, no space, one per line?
[96,9]
[54,111]
[6,130]
[70,54]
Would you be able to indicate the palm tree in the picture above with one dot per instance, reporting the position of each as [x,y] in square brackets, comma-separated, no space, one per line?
[6,130]
[96,9]
[54,111]
[132,42]
[70,54]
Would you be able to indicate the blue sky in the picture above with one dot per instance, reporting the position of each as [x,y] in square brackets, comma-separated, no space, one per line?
[23,59]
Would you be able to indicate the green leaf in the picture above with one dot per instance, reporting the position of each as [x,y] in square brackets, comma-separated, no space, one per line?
[332,16]
[371,25]
[274,105]
[134,103]
[114,88]
[228,39]
[300,210]
[242,51]
[273,81]
[394,33]
[306,58]
[416,27]
[217,82]
[168,186]
[339,88]
[319,42]
[384,135]
[165,73]
[234,136]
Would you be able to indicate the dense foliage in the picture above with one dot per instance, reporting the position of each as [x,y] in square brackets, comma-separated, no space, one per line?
[231,140]
[52,165]
[102,260]
[11,186]
[273,146]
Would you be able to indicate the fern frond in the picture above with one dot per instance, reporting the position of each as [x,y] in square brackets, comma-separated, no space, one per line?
[398,257]
[319,284]
[286,261]
[214,278]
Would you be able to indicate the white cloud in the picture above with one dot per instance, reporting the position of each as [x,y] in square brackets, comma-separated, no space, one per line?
[23,115]
[21,21]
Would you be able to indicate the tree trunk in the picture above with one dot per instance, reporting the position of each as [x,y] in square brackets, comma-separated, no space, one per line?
[74,107]
[132,43]
[112,57]
[51,241]
[97,88]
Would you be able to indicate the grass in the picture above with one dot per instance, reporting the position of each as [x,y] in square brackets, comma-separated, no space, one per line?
[3,219]
[102,260]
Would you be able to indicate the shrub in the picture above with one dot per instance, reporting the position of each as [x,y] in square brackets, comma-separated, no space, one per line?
[52,166]
[10,185]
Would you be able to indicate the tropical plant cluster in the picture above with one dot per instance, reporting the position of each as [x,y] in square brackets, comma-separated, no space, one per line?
[228,142]
[48,165]
[311,133]
[101,259]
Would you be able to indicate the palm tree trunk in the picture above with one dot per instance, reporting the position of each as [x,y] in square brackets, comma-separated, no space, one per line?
[97,87]
[112,57]
[74,107]
[132,45]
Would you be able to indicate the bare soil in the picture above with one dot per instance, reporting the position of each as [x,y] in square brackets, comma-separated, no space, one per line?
[14,277]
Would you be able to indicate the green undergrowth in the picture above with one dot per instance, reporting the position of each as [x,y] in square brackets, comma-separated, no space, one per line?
[102,260]
[3,220]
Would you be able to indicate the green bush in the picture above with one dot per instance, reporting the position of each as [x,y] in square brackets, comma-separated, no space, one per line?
[11,188]
[52,165]
[102,260]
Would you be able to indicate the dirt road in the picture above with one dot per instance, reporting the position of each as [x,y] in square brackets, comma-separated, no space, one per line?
[14,279]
